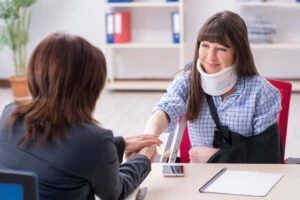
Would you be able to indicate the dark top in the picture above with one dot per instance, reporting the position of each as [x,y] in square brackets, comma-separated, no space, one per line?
[85,163]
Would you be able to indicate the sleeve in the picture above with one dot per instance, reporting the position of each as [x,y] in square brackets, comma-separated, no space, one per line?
[7,109]
[112,181]
[267,108]
[120,144]
[173,102]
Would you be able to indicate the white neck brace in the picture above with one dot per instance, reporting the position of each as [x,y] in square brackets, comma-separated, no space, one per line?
[218,83]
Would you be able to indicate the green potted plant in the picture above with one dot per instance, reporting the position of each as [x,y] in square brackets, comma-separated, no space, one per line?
[14,33]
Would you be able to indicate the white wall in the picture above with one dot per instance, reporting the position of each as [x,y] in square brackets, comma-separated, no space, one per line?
[86,18]
[82,17]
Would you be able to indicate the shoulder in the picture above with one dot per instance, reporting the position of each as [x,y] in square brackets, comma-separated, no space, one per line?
[260,87]
[8,109]
[180,82]
[183,76]
[259,84]
[91,133]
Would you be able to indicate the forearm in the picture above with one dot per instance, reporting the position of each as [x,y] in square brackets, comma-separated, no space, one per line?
[157,123]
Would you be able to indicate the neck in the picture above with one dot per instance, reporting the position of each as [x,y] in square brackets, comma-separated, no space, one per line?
[223,96]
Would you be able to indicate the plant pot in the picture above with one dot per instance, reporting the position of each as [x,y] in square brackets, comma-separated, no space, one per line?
[20,89]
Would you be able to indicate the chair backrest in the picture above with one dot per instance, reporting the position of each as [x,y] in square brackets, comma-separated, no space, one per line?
[18,185]
[285,89]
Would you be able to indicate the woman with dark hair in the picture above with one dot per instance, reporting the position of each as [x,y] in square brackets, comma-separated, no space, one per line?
[222,77]
[55,134]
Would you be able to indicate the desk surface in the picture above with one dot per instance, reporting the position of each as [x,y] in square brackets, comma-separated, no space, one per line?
[187,187]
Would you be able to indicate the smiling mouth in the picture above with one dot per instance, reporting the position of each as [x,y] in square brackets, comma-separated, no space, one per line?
[212,65]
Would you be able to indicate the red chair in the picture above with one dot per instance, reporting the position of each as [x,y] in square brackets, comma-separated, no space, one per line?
[285,89]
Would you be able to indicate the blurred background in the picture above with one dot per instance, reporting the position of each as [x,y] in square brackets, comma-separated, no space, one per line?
[139,69]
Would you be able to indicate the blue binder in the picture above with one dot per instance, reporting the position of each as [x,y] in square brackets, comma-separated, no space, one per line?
[110,28]
[175,27]
[118,1]
[172,0]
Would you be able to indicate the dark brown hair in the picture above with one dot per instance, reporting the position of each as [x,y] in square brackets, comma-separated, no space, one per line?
[65,77]
[223,28]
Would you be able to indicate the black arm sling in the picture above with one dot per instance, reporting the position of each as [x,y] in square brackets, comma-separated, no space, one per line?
[264,147]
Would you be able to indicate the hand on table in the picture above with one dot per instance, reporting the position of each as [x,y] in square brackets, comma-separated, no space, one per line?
[201,154]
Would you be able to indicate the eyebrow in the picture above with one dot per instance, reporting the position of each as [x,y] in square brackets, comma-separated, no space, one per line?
[226,46]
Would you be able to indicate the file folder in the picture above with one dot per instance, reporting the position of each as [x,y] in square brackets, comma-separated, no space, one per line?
[175,27]
[109,28]
[118,1]
[122,27]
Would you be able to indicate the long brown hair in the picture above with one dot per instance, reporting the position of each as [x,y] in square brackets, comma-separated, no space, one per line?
[65,77]
[223,27]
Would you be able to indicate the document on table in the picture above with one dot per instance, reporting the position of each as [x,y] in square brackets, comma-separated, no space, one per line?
[236,182]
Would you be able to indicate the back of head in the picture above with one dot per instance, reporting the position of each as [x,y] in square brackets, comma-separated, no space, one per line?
[65,77]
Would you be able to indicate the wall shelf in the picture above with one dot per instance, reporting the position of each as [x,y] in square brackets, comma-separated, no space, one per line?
[270,4]
[136,45]
[276,46]
[151,85]
[151,44]
[279,59]
[142,4]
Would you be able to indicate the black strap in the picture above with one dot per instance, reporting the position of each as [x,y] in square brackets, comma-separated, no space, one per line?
[222,135]
[213,111]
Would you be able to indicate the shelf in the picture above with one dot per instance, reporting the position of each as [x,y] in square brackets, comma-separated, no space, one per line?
[270,4]
[295,86]
[136,45]
[142,4]
[150,85]
[276,46]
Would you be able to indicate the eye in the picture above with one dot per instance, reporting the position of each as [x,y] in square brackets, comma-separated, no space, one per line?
[222,49]
[205,45]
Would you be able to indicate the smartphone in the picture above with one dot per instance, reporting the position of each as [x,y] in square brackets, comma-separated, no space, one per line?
[172,170]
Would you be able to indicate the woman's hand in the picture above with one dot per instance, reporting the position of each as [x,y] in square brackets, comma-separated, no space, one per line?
[150,152]
[134,144]
[201,154]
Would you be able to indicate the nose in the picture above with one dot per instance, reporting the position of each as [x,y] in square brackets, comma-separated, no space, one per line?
[211,54]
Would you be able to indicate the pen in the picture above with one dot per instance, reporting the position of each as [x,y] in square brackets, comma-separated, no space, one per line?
[203,188]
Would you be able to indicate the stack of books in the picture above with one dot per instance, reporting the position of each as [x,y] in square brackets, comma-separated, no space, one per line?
[260,31]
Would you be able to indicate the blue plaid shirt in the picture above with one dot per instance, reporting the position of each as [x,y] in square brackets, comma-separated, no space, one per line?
[251,109]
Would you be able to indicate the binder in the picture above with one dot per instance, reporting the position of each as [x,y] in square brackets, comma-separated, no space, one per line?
[122,27]
[175,27]
[172,0]
[118,1]
[109,28]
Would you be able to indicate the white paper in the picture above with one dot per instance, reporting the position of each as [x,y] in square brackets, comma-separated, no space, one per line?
[244,183]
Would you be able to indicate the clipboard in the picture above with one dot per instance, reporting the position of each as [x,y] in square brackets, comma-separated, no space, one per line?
[246,183]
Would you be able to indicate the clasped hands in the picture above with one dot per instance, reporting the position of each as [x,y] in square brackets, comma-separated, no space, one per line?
[146,145]
[142,144]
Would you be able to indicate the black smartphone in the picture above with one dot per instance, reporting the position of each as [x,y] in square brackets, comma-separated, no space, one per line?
[173,170]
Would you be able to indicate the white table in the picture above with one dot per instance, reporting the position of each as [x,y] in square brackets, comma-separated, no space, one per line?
[186,188]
